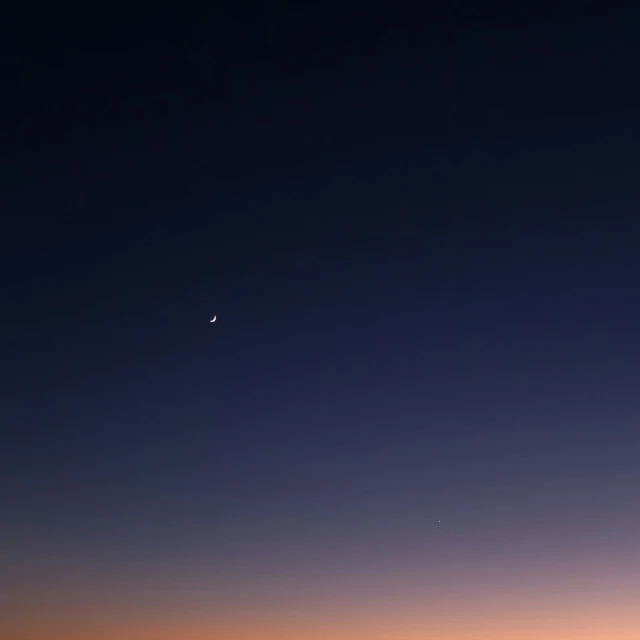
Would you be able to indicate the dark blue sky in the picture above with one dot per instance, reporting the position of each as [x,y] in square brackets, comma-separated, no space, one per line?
[421,242]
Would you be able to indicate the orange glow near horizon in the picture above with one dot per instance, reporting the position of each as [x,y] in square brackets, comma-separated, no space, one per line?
[589,626]
[584,612]
[593,596]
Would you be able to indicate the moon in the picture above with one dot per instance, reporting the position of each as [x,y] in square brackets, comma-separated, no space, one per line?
[213,319]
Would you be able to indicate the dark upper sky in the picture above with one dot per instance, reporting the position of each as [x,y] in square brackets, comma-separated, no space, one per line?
[419,236]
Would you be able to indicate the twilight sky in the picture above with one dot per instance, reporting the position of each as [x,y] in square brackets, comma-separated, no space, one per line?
[417,413]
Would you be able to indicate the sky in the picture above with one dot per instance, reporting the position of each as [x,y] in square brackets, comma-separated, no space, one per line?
[416,415]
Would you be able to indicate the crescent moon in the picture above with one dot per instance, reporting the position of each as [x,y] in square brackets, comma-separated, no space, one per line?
[213,319]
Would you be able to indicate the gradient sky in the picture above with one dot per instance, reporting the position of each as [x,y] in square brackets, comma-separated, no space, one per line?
[417,414]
